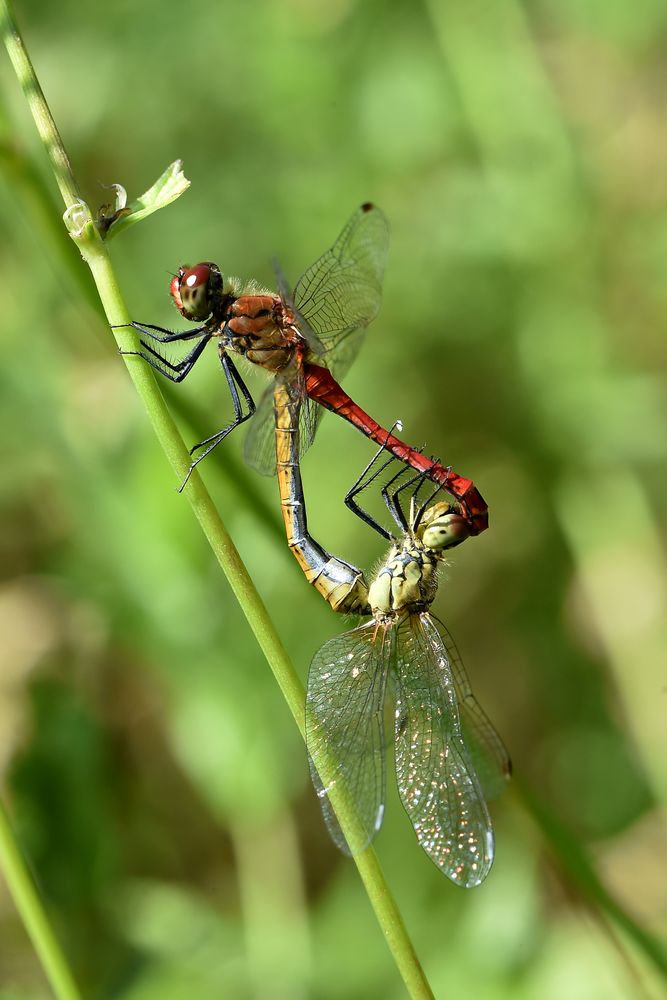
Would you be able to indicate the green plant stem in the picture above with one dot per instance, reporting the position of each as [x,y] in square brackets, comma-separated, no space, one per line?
[33,914]
[94,252]
[41,112]
[386,911]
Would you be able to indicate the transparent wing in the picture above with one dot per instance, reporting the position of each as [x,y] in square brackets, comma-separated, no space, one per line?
[436,778]
[336,297]
[260,442]
[341,292]
[314,343]
[344,731]
[489,755]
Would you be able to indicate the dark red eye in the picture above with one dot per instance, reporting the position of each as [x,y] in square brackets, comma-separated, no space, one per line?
[194,277]
[192,290]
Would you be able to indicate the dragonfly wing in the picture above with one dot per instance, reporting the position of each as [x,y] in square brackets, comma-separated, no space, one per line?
[341,292]
[310,414]
[345,732]
[490,758]
[260,442]
[436,778]
[281,282]
[314,343]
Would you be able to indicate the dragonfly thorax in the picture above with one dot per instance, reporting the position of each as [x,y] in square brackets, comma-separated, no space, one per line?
[406,582]
[261,329]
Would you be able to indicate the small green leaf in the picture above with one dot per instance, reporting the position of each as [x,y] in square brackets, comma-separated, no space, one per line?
[112,219]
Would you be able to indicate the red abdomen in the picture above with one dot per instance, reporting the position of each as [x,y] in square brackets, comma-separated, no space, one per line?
[322,386]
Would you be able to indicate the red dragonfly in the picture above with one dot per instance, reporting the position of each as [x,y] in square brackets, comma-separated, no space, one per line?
[307,339]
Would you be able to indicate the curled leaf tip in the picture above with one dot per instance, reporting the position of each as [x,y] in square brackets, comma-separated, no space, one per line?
[169,186]
[109,213]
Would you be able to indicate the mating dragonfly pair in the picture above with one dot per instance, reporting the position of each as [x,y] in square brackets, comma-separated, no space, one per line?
[449,759]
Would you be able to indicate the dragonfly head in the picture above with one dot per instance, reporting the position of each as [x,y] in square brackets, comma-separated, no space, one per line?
[194,290]
[442,527]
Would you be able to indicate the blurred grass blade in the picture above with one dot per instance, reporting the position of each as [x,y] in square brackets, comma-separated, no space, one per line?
[573,858]
[33,914]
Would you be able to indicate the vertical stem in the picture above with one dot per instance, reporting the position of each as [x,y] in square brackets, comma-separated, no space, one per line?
[46,126]
[33,914]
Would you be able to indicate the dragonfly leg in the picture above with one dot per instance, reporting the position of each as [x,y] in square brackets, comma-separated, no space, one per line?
[367,518]
[420,512]
[181,369]
[169,335]
[235,382]
[394,505]
[362,483]
[391,499]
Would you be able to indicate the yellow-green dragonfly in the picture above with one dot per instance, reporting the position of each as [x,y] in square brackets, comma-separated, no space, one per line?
[449,758]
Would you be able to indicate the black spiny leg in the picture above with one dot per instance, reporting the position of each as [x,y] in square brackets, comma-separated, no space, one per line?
[182,368]
[164,336]
[418,481]
[391,499]
[425,504]
[169,335]
[235,382]
[362,483]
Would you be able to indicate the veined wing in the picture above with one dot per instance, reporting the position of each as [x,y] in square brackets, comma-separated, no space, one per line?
[490,758]
[314,343]
[337,297]
[341,292]
[436,778]
[344,732]
[260,442]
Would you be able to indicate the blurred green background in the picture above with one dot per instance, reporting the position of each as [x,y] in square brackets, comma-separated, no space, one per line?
[155,777]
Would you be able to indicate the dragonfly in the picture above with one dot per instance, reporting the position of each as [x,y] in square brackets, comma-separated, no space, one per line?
[449,758]
[306,339]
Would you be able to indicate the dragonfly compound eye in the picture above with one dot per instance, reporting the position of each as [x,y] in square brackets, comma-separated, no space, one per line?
[193,290]
[444,530]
